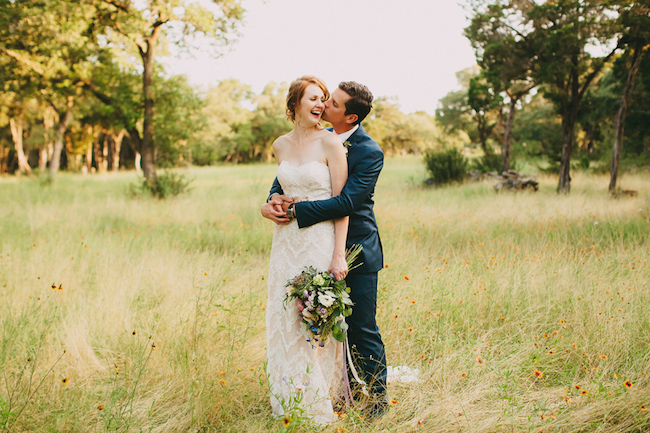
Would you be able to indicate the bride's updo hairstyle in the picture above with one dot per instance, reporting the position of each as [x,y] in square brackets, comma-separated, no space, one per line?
[297,90]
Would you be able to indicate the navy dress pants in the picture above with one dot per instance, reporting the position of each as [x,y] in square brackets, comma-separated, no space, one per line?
[363,335]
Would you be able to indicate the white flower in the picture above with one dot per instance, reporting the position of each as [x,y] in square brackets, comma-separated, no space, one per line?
[319,280]
[326,300]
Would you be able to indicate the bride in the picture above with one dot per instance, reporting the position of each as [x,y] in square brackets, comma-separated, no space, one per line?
[312,165]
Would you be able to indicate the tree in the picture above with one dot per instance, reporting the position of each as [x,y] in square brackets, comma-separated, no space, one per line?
[176,117]
[538,132]
[485,103]
[55,53]
[636,22]
[563,30]
[454,114]
[269,121]
[398,132]
[225,107]
[185,23]
[504,51]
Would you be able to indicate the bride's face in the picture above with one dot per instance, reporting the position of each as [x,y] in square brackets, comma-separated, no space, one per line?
[311,106]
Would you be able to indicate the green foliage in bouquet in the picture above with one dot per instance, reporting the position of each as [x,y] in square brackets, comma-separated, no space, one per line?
[323,302]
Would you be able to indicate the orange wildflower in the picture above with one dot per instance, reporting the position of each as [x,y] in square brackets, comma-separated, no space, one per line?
[538,373]
[628,384]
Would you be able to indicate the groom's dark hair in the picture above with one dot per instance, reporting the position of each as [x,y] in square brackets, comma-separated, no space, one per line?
[360,102]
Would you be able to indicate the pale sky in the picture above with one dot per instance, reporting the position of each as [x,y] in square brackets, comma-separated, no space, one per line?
[409,49]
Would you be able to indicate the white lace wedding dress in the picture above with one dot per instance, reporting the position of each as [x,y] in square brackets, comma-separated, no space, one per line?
[299,375]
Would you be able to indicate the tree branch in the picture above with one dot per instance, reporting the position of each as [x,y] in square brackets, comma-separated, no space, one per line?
[118,5]
[596,70]
[34,66]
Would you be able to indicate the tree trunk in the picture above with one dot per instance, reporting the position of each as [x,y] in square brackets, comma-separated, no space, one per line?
[507,135]
[620,117]
[568,124]
[569,117]
[16,125]
[88,159]
[117,140]
[107,142]
[45,152]
[97,150]
[138,163]
[482,132]
[4,151]
[147,145]
[43,157]
[62,127]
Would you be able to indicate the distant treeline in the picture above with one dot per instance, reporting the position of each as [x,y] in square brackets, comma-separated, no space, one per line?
[86,93]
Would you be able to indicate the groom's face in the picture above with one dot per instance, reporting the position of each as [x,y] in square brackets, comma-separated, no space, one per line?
[335,109]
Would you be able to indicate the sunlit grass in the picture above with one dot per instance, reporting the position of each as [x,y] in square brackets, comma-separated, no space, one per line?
[522,311]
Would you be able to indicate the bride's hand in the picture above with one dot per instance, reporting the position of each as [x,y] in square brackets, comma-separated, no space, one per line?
[339,267]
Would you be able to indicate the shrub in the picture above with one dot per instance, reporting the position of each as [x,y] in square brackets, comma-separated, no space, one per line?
[169,184]
[446,166]
[489,162]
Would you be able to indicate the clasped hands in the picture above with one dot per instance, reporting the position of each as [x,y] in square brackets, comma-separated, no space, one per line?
[276,209]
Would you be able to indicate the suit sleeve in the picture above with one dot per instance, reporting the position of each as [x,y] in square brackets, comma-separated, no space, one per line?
[359,186]
[275,189]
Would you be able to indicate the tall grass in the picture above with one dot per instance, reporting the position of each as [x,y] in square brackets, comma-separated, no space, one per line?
[122,314]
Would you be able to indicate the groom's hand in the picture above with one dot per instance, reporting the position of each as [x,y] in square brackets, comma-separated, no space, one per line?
[285,204]
[273,209]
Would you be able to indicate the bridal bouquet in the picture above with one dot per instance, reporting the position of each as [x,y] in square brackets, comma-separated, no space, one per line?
[323,302]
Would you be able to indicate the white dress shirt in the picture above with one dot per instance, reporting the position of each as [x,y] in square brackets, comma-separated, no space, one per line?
[347,134]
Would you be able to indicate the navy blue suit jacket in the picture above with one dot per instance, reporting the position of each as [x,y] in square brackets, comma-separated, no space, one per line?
[365,161]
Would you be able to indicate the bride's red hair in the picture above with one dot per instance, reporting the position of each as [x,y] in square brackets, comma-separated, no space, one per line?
[297,90]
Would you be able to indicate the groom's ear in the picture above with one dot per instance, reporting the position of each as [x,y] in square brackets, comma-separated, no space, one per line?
[351,118]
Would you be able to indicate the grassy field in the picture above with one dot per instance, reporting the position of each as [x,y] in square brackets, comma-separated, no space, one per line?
[523,312]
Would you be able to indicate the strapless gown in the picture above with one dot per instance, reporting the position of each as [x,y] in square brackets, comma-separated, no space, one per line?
[299,375]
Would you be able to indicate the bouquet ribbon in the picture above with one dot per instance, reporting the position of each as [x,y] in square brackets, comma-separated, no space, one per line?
[347,359]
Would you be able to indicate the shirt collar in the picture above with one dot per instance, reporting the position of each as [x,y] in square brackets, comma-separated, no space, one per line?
[347,134]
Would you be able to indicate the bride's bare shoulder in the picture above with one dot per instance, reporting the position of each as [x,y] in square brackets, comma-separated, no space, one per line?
[282,141]
[329,139]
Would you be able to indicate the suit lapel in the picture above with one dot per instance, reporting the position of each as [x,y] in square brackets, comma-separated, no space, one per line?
[358,135]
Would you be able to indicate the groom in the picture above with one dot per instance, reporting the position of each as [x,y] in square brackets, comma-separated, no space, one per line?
[349,105]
